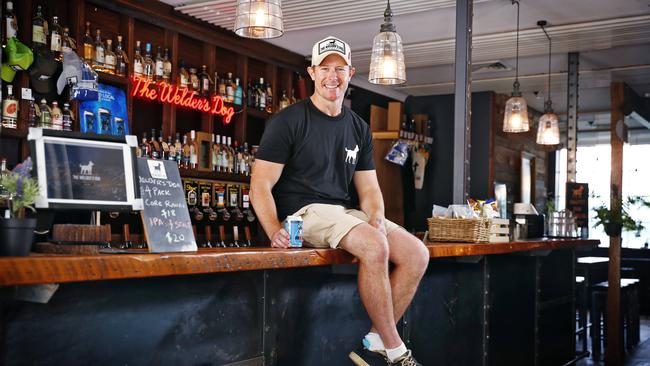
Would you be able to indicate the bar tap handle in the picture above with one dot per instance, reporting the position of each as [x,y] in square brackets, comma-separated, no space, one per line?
[222,235]
[208,237]
[235,236]
[197,214]
[247,235]
[250,215]
[237,213]
[225,214]
[212,214]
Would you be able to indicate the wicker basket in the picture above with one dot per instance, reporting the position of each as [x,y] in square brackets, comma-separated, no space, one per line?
[459,230]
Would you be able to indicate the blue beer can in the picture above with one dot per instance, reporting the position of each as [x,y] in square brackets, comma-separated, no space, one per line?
[293,225]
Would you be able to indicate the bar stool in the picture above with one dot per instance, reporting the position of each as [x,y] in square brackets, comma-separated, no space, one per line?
[629,314]
[582,294]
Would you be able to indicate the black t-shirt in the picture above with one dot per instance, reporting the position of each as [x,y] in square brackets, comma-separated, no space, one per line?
[320,154]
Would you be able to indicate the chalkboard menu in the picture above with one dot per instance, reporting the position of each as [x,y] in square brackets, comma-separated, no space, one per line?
[577,200]
[165,217]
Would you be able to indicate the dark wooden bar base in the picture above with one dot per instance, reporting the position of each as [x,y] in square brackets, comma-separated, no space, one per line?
[506,308]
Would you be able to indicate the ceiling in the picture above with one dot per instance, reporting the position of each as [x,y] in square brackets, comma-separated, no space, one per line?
[612,37]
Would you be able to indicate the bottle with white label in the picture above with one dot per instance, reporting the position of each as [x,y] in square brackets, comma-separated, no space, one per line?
[38,30]
[138,61]
[57,116]
[9,109]
[55,38]
[109,57]
[98,64]
[11,26]
[159,68]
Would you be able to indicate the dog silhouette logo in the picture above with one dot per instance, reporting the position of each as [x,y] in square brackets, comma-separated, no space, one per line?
[86,169]
[351,156]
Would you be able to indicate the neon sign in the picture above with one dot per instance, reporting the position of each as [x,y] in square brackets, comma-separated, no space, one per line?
[180,96]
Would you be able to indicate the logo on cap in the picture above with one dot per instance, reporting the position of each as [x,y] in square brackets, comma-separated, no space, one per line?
[331,45]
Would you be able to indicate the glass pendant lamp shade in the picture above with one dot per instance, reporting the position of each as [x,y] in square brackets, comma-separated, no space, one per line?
[387,59]
[515,118]
[259,19]
[548,131]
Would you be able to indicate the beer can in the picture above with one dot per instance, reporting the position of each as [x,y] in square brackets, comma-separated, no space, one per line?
[293,225]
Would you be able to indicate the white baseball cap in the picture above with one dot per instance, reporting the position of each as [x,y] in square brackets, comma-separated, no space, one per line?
[328,46]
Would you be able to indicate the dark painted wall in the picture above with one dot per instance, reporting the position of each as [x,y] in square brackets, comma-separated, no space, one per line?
[362,100]
[438,179]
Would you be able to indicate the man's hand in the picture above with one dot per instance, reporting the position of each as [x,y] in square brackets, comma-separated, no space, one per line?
[280,239]
[378,223]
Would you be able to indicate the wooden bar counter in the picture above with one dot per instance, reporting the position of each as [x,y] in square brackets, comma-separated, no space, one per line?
[40,269]
[478,304]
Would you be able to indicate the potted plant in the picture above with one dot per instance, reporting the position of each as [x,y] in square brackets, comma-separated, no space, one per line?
[18,190]
[615,222]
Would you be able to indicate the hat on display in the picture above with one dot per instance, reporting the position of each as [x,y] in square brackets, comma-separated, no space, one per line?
[330,46]
[72,70]
[19,57]
[43,71]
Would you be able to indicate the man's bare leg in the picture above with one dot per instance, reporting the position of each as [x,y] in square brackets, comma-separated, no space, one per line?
[370,246]
[410,257]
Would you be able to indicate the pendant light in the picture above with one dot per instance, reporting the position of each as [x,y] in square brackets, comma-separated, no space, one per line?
[259,19]
[515,118]
[548,130]
[387,60]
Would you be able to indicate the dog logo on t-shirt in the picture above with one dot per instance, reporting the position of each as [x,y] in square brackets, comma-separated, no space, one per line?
[351,156]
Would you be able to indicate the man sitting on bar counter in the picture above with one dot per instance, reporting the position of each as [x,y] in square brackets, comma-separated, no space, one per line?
[308,156]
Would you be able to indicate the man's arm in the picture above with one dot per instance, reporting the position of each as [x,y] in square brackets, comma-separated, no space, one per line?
[370,198]
[265,176]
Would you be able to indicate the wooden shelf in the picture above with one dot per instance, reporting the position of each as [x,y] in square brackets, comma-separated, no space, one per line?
[385,135]
[15,133]
[112,79]
[196,174]
[40,268]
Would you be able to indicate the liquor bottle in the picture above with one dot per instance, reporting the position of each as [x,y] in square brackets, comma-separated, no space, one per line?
[183,75]
[155,146]
[292,100]
[110,60]
[214,152]
[231,157]
[222,90]
[145,148]
[67,117]
[239,93]
[194,81]
[98,63]
[261,93]
[246,161]
[194,150]
[235,159]
[215,84]
[31,115]
[57,116]
[179,149]
[38,30]
[224,154]
[9,109]
[167,67]
[269,98]
[66,42]
[55,38]
[89,48]
[120,58]
[159,68]
[163,148]
[204,81]
[230,89]
[149,65]
[250,94]
[11,25]
[168,147]
[138,61]
[186,153]
[284,101]
[46,118]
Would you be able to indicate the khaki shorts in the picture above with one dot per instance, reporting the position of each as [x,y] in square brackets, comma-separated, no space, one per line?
[325,225]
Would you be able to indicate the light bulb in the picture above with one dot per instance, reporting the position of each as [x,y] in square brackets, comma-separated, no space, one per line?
[260,17]
[515,120]
[389,67]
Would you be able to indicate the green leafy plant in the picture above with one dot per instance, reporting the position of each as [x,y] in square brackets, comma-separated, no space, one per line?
[616,221]
[19,189]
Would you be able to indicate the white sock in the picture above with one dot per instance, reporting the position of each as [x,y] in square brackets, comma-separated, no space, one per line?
[395,353]
[372,341]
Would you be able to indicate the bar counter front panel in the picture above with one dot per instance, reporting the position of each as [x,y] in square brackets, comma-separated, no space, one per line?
[478,304]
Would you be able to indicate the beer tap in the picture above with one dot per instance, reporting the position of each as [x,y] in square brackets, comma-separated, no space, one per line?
[247,235]
[250,215]
[212,214]
[237,213]
[222,235]
[197,214]
[208,237]
[235,236]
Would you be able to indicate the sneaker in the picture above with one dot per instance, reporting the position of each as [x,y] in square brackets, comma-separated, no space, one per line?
[406,359]
[365,357]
